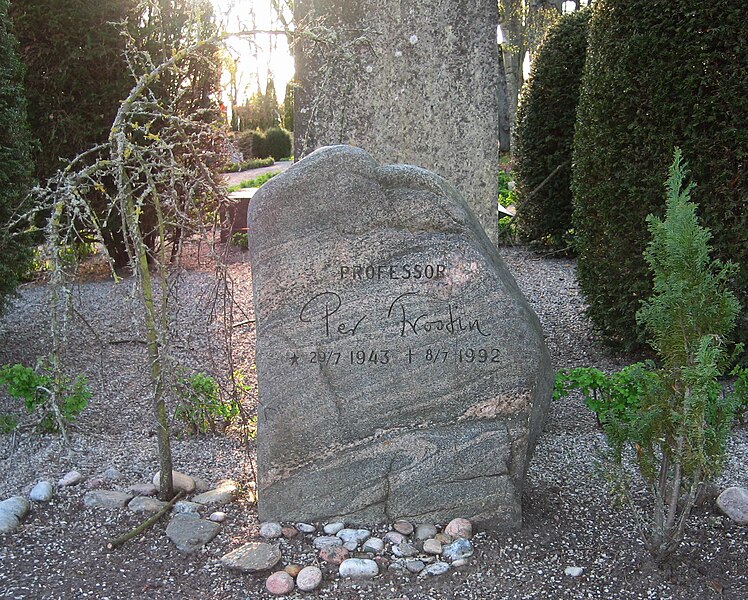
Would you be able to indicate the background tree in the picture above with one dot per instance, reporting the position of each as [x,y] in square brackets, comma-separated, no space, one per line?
[15,162]
[287,119]
[659,73]
[545,132]
[523,24]
[75,72]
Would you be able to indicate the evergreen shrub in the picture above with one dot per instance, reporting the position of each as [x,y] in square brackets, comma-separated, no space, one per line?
[545,132]
[278,143]
[253,144]
[658,74]
[15,161]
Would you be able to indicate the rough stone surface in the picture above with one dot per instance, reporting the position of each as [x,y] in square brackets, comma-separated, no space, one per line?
[223,494]
[460,548]
[12,512]
[396,95]
[425,531]
[185,506]
[388,319]
[333,528]
[734,503]
[107,499]
[327,540]
[309,578]
[189,532]
[438,568]
[334,554]
[145,504]
[180,481]
[42,492]
[373,544]
[358,568]
[143,489]
[279,583]
[271,530]
[252,557]
[459,528]
[70,478]
[432,546]
[402,526]
[415,566]
[353,538]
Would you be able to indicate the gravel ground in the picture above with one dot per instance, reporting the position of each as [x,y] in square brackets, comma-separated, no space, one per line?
[568,517]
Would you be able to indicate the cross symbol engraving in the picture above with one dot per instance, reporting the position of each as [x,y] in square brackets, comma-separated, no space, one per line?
[294,359]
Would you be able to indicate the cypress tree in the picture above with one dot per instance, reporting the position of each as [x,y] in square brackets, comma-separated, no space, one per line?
[15,162]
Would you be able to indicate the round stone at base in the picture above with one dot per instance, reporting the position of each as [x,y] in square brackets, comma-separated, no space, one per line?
[279,583]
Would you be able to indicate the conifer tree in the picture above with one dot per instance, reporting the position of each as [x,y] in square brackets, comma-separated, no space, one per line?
[15,161]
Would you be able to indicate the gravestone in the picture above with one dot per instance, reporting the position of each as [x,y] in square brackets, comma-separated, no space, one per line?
[401,372]
[411,82]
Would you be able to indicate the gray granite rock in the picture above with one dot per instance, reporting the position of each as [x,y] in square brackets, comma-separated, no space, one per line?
[309,578]
[333,528]
[358,568]
[373,544]
[42,492]
[145,504]
[734,503]
[180,481]
[432,546]
[425,531]
[421,90]
[404,550]
[111,474]
[106,499]
[252,557]
[415,566]
[223,494]
[185,507]
[327,540]
[70,478]
[460,548]
[189,532]
[12,512]
[388,319]
[353,538]
[438,568]
[143,489]
[218,516]
[271,530]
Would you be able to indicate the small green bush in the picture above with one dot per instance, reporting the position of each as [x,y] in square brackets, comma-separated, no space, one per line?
[253,144]
[54,398]
[241,240]
[201,407]
[659,73]
[673,418]
[545,132]
[278,143]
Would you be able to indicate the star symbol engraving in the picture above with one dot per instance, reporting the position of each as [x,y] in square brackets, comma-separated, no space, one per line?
[294,359]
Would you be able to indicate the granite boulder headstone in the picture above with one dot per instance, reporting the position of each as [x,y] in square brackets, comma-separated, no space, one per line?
[402,374]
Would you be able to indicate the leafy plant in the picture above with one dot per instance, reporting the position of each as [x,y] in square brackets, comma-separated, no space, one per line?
[674,417]
[255,163]
[201,408]
[59,400]
[240,239]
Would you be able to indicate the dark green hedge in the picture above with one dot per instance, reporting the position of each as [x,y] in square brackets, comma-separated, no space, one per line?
[545,132]
[659,74]
[15,160]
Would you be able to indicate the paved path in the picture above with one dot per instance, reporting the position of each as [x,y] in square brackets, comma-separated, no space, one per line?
[234,178]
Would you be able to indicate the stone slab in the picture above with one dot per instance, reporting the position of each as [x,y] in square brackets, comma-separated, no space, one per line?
[414,82]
